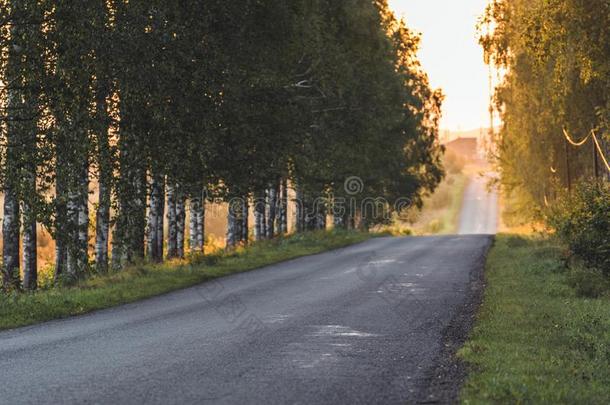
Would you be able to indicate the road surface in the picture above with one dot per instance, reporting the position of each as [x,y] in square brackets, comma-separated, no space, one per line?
[371,323]
[480,210]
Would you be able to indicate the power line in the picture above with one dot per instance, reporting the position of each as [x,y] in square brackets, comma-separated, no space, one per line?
[601,152]
[596,143]
[574,143]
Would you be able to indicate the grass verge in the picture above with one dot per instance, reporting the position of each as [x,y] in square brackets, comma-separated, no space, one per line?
[441,212]
[536,340]
[146,280]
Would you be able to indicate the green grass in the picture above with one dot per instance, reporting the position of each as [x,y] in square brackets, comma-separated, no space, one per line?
[536,341]
[146,280]
[451,217]
[445,206]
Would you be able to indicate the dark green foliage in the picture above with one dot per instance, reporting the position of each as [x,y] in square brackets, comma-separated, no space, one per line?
[582,221]
[556,55]
[232,97]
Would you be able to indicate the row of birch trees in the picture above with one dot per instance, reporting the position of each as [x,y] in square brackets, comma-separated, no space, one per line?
[121,120]
[553,98]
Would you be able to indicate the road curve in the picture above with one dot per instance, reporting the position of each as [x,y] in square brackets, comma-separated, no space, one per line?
[364,324]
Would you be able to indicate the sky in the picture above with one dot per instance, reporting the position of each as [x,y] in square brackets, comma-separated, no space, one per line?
[452,57]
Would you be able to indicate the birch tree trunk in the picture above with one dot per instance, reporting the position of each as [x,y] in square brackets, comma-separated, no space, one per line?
[351,221]
[137,220]
[83,218]
[29,197]
[156,197]
[272,201]
[239,224]
[196,218]
[283,208]
[151,227]
[10,235]
[78,223]
[180,222]
[300,210]
[259,216]
[61,218]
[72,247]
[13,76]
[118,249]
[129,236]
[339,216]
[321,216]
[201,224]
[311,214]
[232,236]
[245,231]
[102,216]
[160,219]
[193,221]
[172,237]
[102,227]
[30,265]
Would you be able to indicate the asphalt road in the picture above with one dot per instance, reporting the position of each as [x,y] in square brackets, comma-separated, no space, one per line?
[371,323]
[480,210]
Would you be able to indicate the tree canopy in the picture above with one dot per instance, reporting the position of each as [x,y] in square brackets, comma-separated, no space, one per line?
[153,108]
[557,61]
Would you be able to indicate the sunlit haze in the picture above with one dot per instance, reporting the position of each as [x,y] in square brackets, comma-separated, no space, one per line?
[451,55]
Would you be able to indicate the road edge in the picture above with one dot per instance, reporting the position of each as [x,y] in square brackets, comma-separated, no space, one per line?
[444,380]
[187,286]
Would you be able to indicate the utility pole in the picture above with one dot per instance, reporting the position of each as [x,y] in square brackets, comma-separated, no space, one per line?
[568,176]
[595,162]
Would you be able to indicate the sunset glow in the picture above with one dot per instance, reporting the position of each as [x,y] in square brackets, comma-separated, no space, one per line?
[451,55]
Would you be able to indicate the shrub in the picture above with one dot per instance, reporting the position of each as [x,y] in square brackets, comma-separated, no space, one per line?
[582,221]
[589,283]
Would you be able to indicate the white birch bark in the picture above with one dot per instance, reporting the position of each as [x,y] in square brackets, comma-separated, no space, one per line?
[160,219]
[30,265]
[118,250]
[105,172]
[155,220]
[172,242]
[72,248]
[197,222]
[259,216]
[338,218]
[102,226]
[201,224]
[195,215]
[272,201]
[10,235]
[180,222]
[231,239]
[151,226]
[61,253]
[15,104]
[283,208]
[321,217]
[300,211]
[29,248]
[83,219]
[245,231]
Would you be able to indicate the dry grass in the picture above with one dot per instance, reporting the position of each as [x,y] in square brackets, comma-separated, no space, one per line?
[440,214]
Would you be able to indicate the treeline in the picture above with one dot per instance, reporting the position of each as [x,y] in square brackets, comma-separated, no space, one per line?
[555,94]
[160,107]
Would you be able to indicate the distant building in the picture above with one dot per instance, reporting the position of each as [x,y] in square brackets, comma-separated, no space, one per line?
[467,147]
